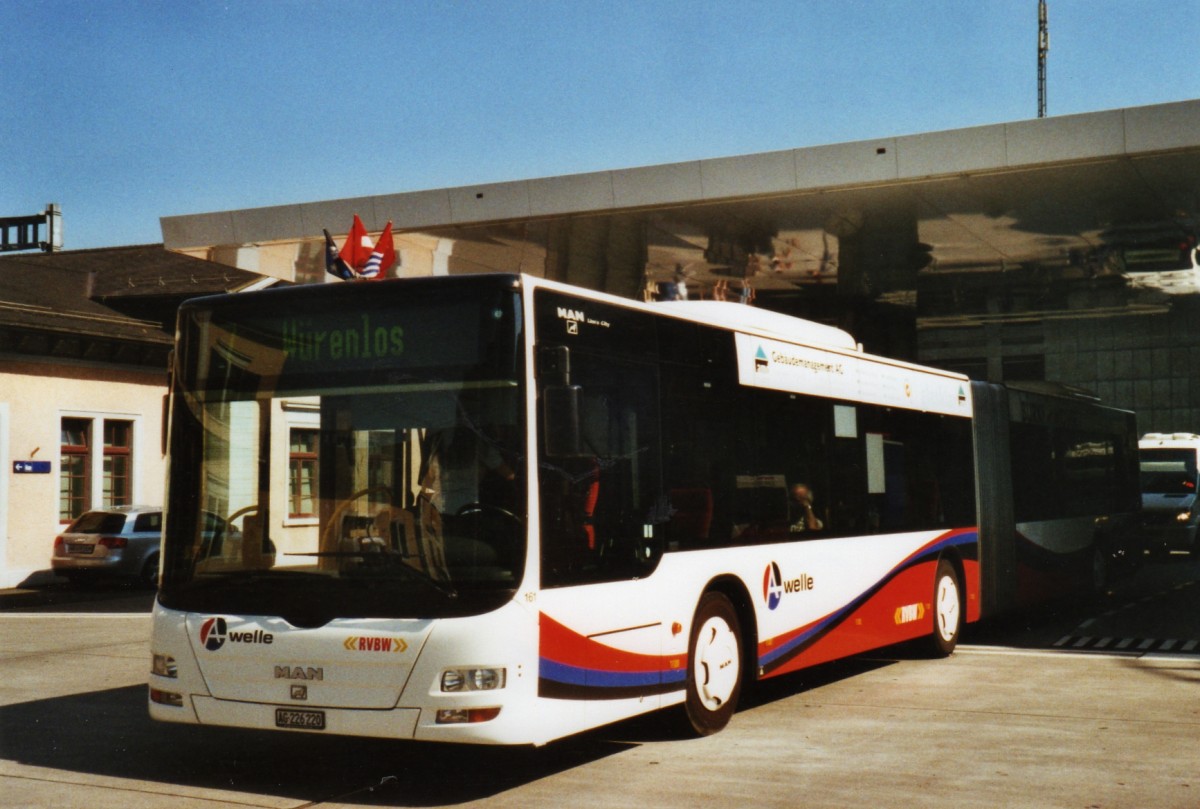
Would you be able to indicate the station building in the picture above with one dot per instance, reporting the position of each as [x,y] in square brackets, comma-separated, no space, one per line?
[85,337]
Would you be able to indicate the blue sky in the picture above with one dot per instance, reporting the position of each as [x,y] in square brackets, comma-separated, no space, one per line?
[123,112]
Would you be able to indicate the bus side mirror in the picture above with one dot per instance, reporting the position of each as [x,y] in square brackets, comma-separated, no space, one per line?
[561,404]
[562,430]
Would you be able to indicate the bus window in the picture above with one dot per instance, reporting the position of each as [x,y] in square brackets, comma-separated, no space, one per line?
[918,470]
[697,457]
[603,512]
[781,441]
[1168,471]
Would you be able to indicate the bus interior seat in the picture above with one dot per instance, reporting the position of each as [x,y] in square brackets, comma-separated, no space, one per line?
[257,552]
[691,514]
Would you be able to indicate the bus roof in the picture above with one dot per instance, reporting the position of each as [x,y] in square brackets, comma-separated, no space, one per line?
[750,320]
[1171,440]
[740,317]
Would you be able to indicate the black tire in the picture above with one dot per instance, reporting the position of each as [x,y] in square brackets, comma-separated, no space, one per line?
[714,671]
[947,610]
[149,574]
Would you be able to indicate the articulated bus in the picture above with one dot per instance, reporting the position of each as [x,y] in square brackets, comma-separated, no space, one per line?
[498,509]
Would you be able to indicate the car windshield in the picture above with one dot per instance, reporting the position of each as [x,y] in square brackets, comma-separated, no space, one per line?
[1168,471]
[98,522]
[314,484]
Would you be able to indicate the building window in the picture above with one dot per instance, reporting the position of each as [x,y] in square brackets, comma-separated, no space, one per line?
[118,479]
[75,469]
[96,464]
[1030,368]
[974,367]
[302,473]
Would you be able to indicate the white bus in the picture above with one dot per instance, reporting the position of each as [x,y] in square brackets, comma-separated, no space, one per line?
[1170,464]
[498,509]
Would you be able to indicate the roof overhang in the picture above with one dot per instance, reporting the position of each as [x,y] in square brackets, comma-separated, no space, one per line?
[1037,192]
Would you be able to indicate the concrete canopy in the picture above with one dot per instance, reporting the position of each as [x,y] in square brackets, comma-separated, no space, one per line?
[1062,195]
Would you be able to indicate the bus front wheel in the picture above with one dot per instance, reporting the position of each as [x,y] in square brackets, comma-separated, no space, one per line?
[947,609]
[714,675]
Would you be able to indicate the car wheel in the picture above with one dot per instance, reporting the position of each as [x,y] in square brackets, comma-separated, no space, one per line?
[149,574]
[714,676]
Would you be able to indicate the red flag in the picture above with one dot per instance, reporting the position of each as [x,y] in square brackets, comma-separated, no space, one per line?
[382,258]
[358,247]
[360,258]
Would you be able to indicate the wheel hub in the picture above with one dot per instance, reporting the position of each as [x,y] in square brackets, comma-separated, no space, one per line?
[947,607]
[717,666]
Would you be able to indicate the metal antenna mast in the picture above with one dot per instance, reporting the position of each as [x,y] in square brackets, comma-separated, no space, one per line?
[1043,47]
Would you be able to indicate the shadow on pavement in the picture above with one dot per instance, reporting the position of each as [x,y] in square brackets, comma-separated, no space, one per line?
[99,596]
[108,733]
[1158,601]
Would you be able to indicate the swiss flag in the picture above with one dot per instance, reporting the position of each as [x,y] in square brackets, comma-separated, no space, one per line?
[359,258]
[358,247]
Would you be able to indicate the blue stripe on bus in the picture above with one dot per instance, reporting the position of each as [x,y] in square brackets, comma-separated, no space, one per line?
[575,675]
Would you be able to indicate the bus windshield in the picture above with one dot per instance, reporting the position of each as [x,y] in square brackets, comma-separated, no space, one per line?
[359,463]
[1168,471]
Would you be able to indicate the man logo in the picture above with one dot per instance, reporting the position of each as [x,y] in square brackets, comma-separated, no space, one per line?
[772,586]
[212,633]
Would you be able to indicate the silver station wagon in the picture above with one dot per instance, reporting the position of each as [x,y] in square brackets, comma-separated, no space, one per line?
[120,541]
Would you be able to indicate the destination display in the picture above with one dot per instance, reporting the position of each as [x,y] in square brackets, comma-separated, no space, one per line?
[381,342]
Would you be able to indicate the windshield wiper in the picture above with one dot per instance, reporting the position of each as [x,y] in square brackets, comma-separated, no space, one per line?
[390,561]
[253,576]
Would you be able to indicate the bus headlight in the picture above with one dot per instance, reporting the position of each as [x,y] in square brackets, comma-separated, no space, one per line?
[1183,517]
[473,679]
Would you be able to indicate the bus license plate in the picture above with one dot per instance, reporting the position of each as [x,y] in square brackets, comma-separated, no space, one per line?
[309,720]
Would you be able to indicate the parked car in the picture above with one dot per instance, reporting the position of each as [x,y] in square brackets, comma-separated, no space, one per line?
[119,541]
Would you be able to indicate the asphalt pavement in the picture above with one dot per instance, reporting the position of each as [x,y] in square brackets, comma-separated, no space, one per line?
[1023,715]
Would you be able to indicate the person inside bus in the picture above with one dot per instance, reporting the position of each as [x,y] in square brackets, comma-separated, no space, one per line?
[801,517]
[459,465]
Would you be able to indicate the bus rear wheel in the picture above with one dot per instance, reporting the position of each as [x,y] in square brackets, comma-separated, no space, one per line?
[947,609]
[714,675]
